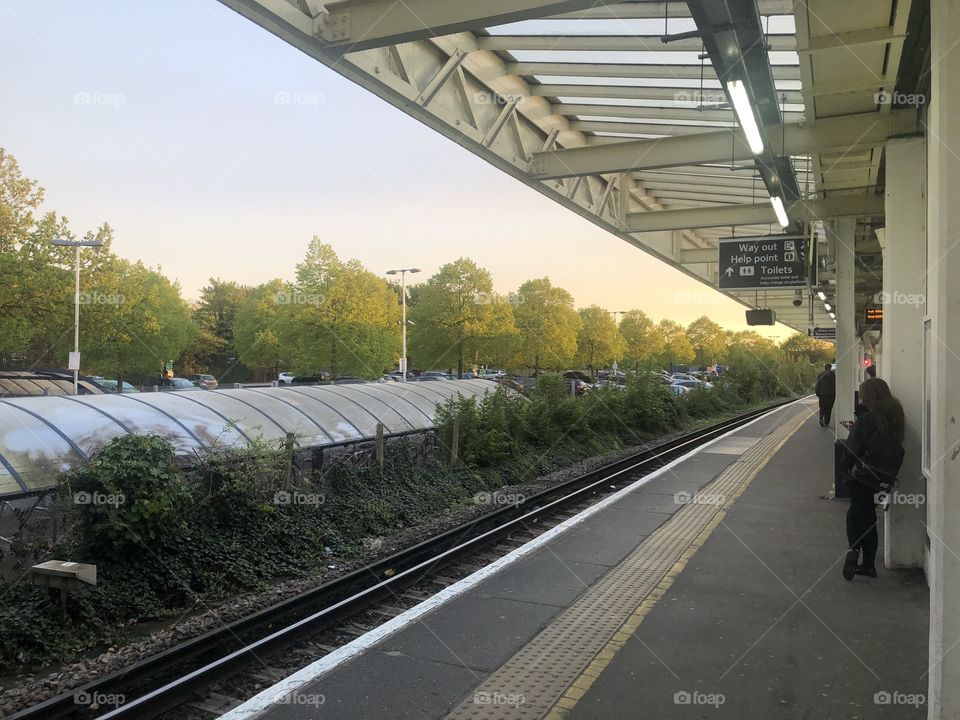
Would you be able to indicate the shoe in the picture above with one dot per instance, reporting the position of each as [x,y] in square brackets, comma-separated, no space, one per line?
[870,572]
[850,564]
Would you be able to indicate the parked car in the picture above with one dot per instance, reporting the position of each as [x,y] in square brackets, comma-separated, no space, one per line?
[176,384]
[289,378]
[112,386]
[679,389]
[430,378]
[435,374]
[208,382]
[693,384]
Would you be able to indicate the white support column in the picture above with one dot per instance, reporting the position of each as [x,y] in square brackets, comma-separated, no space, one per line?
[943,346]
[904,290]
[848,346]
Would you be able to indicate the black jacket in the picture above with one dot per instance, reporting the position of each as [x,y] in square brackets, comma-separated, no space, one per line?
[826,384]
[873,457]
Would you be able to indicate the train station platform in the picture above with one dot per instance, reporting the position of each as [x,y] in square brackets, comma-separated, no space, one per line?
[710,589]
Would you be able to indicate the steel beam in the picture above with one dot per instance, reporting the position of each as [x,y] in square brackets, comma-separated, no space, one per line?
[634,70]
[689,219]
[825,135]
[609,43]
[850,39]
[645,113]
[688,97]
[659,10]
[353,25]
[636,128]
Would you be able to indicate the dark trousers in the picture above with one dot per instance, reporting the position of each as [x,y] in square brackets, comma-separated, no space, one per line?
[839,469]
[862,529]
[826,408]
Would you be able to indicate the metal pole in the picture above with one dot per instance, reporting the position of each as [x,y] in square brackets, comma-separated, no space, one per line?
[403,302]
[76,321]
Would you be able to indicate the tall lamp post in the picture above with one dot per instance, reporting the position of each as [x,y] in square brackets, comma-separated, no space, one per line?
[616,322]
[403,302]
[75,355]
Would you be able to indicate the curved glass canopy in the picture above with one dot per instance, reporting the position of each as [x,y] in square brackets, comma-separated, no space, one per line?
[41,437]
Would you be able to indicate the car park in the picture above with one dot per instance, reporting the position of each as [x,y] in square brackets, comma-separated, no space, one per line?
[114,387]
[208,382]
[174,384]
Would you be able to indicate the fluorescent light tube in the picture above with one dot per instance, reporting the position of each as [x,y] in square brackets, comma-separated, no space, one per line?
[741,104]
[777,203]
[822,295]
[828,306]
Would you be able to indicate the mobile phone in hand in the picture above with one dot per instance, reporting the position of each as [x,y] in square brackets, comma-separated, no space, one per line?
[847,423]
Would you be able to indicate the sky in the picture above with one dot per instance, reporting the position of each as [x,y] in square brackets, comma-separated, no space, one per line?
[160,118]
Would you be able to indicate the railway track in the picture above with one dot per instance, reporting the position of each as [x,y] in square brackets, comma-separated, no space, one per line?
[207,675]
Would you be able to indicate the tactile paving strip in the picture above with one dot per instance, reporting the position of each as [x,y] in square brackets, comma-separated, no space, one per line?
[555,668]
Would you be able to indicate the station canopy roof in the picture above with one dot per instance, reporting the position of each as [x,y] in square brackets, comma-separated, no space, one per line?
[622,111]
[41,437]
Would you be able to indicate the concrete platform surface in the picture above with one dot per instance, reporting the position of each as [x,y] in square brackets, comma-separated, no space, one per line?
[754,622]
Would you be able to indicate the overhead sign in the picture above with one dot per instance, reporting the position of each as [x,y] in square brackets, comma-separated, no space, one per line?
[873,316]
[762,263]
[819,333]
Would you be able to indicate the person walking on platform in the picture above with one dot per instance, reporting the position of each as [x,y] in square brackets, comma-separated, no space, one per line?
[869,459]
[826,390]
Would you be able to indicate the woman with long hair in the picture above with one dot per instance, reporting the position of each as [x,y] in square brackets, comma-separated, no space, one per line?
[872,459]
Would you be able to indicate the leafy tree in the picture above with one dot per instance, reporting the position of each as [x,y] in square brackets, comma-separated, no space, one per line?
[598,342]
[548,326]
[677,349]
[457,316]
[339,316]
[708,340]
[213,349]
[816,351]
[133,322]
[642,339]
[256,329]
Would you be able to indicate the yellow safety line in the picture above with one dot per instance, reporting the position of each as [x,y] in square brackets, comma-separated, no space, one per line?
[582,684]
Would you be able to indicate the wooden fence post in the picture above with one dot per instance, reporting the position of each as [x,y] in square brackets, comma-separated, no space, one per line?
[455,441]
[380,445]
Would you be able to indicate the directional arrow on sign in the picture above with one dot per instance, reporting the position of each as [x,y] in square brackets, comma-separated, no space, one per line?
[729,272]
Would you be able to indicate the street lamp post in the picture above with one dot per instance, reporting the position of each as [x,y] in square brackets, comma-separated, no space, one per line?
[403,302]
[616,322]
[76,244]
